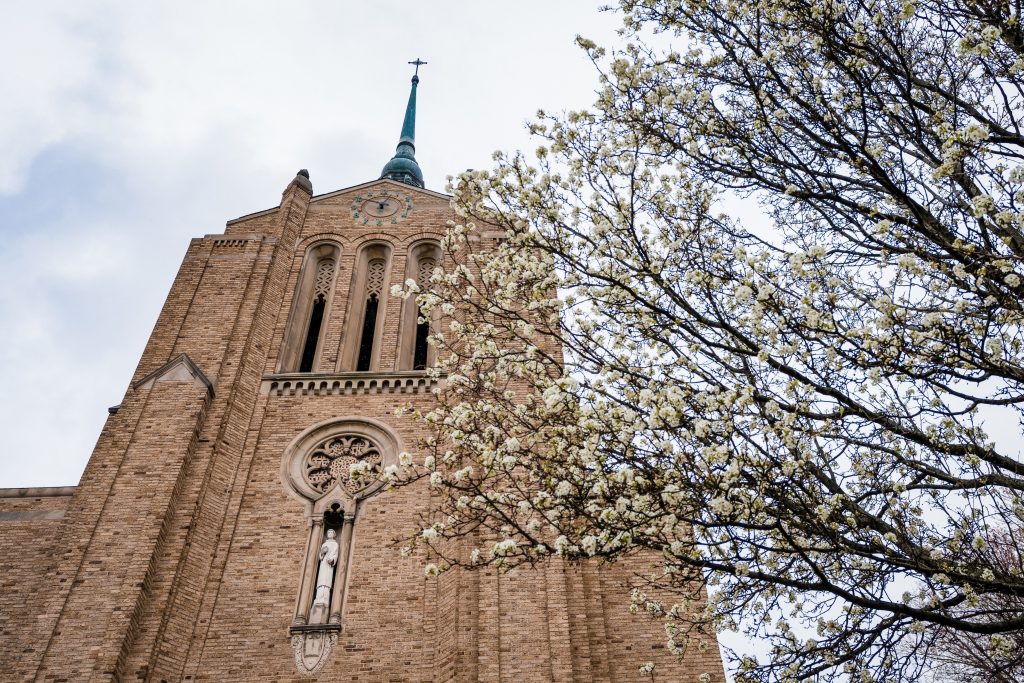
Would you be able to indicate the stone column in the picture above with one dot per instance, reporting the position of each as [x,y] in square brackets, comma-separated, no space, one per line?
[309,570]
[341,574]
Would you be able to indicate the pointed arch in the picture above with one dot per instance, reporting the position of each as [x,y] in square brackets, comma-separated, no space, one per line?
[307,322]
[365,320]
[414,353]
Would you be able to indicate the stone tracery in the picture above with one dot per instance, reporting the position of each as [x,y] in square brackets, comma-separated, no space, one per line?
[426,269]
[375,277]
[349,459]
[324,278]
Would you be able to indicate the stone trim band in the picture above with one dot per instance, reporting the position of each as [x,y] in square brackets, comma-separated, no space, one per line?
[298,384]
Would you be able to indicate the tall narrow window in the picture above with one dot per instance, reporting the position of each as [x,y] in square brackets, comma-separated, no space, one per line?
[302,345]
[374,286]
[414,353]
[324,277]
[361,348]
[419,362]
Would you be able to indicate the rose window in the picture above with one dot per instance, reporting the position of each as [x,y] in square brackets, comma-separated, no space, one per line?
[351,460]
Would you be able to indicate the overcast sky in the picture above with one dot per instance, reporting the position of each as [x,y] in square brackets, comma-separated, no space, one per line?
[127,128]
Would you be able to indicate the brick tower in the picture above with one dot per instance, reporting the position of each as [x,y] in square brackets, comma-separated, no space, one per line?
[218,532]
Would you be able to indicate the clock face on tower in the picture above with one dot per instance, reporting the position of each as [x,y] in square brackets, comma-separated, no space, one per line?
[381,207]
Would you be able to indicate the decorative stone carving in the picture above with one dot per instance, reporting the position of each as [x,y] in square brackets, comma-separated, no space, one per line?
[316,465]
[312,649]
[425,270]
[375,278]
[408,382]
[324,278]
[340,459]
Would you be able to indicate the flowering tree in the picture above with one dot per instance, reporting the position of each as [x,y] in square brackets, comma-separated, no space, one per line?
[964,657]
[798,414]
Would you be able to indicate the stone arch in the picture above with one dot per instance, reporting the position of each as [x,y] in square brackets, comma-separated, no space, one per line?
[306,329]
[413,353]
[295,462]
[361,344]
[331,503]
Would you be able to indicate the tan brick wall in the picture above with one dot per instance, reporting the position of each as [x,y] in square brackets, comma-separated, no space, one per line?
[31,536]
[182,550]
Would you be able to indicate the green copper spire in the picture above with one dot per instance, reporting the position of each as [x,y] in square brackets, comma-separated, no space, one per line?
[403,166]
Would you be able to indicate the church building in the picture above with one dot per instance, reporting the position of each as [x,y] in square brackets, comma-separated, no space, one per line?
[220,531]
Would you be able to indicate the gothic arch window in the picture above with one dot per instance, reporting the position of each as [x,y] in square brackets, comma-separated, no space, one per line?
[366,309]
[307,322]
[330,469]
[414,352]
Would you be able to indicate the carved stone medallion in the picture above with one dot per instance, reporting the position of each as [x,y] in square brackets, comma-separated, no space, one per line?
[312,650]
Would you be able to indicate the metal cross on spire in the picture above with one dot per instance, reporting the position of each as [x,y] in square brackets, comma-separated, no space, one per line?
[418,64]
[403,166]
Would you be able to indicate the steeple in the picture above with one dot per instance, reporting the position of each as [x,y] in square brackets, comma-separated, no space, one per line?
[403,166]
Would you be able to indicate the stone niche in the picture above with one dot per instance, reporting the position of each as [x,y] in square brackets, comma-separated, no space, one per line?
[330,469]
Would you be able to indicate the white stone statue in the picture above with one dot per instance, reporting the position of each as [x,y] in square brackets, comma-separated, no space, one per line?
[325,578]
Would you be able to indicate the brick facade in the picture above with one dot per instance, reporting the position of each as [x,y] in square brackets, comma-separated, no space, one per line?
[179,555]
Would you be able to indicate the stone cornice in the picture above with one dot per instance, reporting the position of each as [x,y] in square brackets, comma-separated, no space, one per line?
[346,383]
[38,492]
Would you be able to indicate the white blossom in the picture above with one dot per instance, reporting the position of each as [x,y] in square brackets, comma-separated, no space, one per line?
[754,311]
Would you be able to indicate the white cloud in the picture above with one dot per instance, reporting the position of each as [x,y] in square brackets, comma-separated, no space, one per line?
[48,66]
[129,128]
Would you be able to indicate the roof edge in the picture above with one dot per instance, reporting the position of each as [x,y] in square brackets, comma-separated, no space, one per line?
[38,492]
[181,360]
[402,186]
[335,193]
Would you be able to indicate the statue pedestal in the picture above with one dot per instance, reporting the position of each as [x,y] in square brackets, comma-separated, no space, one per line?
[318,615]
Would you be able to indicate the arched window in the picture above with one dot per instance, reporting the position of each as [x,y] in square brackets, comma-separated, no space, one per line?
[324,280]
[368,334]
[307,322]
[414,352]
[419,354]
[366,309]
